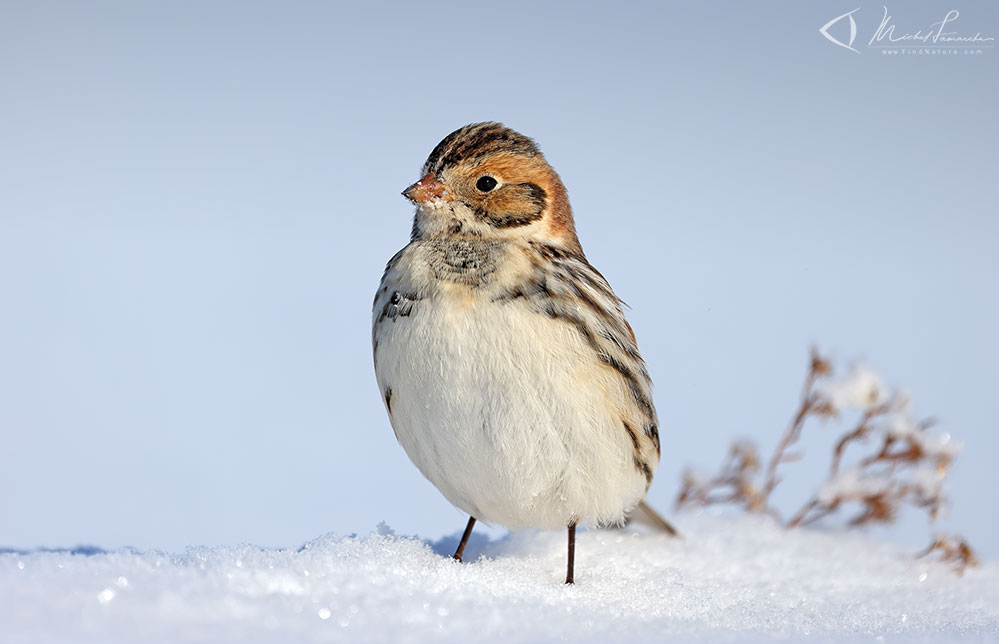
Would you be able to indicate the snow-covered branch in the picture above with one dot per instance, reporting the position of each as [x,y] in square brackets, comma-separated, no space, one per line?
[896,461]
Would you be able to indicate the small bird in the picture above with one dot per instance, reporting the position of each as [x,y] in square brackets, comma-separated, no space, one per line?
[510,375]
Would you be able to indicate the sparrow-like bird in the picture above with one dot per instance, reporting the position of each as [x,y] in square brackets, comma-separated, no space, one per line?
[509,372]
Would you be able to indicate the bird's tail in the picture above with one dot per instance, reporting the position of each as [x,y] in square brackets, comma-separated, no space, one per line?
[645,515]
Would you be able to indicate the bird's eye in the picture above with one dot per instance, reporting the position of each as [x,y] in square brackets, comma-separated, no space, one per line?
[485,183]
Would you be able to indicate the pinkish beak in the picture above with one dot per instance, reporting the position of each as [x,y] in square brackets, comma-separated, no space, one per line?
[426,190]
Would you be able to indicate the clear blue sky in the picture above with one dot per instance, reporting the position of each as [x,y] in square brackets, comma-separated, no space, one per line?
[197,200]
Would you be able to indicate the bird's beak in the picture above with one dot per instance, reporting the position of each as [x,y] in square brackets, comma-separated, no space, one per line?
[426,190]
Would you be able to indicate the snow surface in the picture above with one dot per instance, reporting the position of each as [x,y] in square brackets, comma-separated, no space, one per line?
[728,579]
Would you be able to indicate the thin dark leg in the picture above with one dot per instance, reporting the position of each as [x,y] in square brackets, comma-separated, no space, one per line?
[464,538]
[572,553]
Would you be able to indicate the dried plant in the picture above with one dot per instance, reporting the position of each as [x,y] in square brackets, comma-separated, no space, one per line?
[735,483]
[953,550]
[907,466]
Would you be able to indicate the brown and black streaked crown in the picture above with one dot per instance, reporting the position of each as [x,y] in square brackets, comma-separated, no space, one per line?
[477,141]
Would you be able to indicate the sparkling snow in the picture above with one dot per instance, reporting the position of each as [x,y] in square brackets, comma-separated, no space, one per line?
[728,579]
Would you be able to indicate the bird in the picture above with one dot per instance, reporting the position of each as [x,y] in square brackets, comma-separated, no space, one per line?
[510,375]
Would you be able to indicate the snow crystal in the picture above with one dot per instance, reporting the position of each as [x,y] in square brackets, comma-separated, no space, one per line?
[933,445]
[939,445]
[727,579]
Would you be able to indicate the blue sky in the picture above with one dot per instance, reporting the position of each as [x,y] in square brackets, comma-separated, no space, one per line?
[197,201]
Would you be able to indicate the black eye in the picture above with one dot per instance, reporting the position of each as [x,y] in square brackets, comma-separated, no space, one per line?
[485,183]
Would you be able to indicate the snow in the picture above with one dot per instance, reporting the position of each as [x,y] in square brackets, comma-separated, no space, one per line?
[728,579]
[853,484]
[940,446]
[927,480]
[861,389]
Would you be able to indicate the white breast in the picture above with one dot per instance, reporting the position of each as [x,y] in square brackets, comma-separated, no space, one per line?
[506,411]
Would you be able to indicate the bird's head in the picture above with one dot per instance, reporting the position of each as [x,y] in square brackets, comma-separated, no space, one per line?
[487,181]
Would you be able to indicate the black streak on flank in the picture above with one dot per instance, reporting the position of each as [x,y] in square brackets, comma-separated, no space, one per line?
[551,300]
[558,313]
[632,435]
[653,432]
[590,275]
[642,400]
[599,285]
[388,399]
[567,277]
[629,350]
[643,467]
[602,312]
[636,391]
[615,364]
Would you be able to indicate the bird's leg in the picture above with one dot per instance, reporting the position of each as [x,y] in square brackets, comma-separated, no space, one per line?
[572,553]
[464,539]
